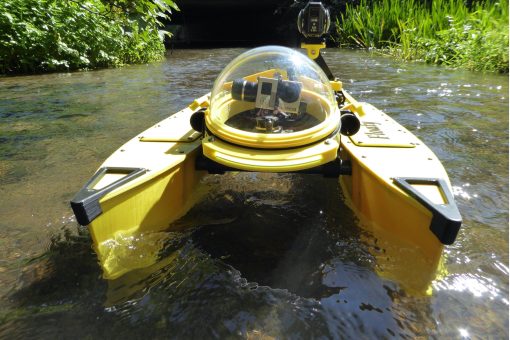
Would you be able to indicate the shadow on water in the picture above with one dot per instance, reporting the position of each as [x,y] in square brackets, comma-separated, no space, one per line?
[283,245]
[55,287]
[262,256]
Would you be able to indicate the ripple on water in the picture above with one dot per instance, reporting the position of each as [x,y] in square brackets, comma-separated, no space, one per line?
[280,257]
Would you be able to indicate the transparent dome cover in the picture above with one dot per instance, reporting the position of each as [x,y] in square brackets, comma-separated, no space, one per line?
[272,97]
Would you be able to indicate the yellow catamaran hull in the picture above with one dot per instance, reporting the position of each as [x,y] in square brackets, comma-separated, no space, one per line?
[150,181]
[391,180]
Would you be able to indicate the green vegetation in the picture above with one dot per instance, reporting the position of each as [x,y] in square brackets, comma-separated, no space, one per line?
[55,35]
[440,31]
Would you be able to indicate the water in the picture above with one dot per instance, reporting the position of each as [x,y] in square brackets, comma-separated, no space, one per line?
[262,255]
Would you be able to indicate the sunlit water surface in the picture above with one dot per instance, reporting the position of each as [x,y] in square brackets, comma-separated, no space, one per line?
[262,255]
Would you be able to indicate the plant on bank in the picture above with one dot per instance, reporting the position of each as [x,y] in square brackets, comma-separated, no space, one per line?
[443,32]
[54,35]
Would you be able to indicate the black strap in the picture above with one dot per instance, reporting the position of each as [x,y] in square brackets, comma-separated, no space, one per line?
[322,63]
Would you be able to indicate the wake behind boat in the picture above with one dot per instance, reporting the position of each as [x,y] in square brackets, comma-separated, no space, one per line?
[273,109]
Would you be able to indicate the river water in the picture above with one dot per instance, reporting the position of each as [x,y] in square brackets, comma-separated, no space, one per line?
[262,255]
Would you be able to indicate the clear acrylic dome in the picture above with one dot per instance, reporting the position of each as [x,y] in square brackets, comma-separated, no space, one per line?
[272,97]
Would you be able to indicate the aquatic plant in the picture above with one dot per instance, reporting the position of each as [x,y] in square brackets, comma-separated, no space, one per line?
[51,35]
[444,32]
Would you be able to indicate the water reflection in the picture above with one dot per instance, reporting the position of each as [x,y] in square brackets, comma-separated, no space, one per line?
[277,263]
[475,284]
[284,262]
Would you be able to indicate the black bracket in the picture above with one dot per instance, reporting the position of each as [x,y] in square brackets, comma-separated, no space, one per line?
[332,169]
[85,203]
[322,64]
[446,219]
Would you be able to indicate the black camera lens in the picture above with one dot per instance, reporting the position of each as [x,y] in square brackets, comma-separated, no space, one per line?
[313,20]
[350,124]
[244,90]
[289,91]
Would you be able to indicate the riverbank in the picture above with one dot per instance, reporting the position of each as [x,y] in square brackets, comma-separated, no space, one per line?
[39,36]
[445,32]
[62,35]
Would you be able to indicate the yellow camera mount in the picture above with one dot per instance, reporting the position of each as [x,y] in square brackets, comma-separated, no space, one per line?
[313,50]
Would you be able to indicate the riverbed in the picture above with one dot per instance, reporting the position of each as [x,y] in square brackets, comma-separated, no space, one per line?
[262,255]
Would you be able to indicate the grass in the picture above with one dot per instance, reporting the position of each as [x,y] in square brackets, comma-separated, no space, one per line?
[443,31]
